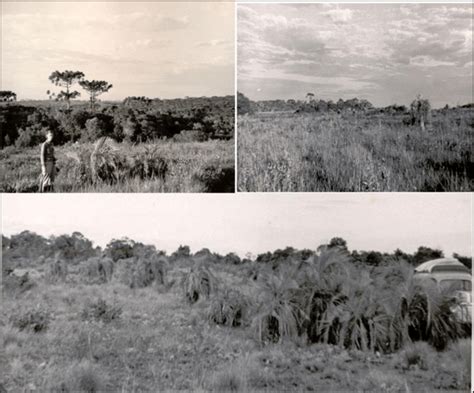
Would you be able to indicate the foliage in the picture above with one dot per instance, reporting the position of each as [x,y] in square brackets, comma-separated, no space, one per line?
[95,88]
[65,79]
[7,96]
[36,319]
[199,283]
[229,308]
[303,152]
[101,311]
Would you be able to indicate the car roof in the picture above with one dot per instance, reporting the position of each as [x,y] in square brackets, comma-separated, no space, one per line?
[442,265]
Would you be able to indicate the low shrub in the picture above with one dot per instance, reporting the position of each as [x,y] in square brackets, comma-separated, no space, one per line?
[101,311]
[34,320]
[228,308]
[199,283]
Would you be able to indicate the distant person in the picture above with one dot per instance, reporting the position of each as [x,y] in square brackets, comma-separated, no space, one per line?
[48,164]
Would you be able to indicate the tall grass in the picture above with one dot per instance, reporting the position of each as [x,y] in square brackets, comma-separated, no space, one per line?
[163,166]
[336,152]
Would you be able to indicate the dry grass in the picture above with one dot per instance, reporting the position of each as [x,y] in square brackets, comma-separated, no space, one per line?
[161,342]
[160,167]
[295,152]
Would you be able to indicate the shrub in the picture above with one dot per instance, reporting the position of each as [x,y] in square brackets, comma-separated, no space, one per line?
[57,271]
[279,315]
[199,283]
[97,270]
[148,271]
[35,320]
[147,164]
[215,179]
[101,311]
[229,308]
[14,285]
[418,354]
[30,136]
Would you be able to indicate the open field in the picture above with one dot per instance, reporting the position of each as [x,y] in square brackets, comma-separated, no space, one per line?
[204,323]
[150,167]
[289,151]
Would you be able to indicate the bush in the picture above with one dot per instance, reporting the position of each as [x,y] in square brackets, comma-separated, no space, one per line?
[97,270]
[101,311]
[418,354]
[30,136]
[57,271]
[199,283]
[215,179]
[229,308]
[35,320]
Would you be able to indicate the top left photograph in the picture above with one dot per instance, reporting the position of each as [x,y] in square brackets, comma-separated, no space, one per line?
[117,97]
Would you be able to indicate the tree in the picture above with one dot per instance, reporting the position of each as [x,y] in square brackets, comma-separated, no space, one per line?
[424,254]
[120,249]
[95,89]
[309,97]
[7,96]
[420,110]
[65,79]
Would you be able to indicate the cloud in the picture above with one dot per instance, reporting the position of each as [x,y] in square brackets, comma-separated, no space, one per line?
[339,14]
[362,46]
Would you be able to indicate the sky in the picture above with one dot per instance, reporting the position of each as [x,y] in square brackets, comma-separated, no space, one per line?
[254,222]
[386,53]
[164,50]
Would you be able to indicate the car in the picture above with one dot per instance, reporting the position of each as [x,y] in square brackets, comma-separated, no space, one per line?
[452,274]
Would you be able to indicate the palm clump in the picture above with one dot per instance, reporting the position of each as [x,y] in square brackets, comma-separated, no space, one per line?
[330,301]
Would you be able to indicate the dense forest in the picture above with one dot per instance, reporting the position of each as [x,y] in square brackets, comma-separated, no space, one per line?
[136,119]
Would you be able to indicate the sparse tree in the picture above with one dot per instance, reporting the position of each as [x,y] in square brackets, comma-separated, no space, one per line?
[95,88]
[65,79]
[7,96]
[420,110]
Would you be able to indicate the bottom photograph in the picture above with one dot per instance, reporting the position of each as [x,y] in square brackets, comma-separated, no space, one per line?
[236,293]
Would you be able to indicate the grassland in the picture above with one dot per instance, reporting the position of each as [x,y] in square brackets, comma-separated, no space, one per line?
[287,151]
[149,167]
[159,341]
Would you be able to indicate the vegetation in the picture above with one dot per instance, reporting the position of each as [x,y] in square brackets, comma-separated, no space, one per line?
[328,319]
[177,145]
[352,146]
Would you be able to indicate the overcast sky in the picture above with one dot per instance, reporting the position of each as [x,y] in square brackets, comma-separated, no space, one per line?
[157,49]
[251,222]
[386,53]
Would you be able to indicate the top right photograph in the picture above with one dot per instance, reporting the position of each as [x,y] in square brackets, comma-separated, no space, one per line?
[356,98]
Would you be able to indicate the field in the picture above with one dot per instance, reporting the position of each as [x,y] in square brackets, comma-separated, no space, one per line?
[152,145]
[288,151]
[203,324]
[162,166]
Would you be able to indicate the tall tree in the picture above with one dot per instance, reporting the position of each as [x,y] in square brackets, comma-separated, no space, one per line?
[66,79]
[95,88]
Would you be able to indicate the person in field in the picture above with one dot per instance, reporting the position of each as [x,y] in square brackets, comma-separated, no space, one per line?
[48,164]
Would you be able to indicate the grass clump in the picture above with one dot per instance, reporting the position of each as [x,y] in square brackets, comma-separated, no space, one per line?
[199,283]
[229,308]
[101,311]
[34,320]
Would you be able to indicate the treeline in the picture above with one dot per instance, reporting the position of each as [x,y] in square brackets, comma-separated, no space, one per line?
[135,120]
[27,247]
[312,105]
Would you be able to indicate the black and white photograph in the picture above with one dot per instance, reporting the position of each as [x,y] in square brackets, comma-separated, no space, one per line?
[355,97]
[236,293]
[117,97]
